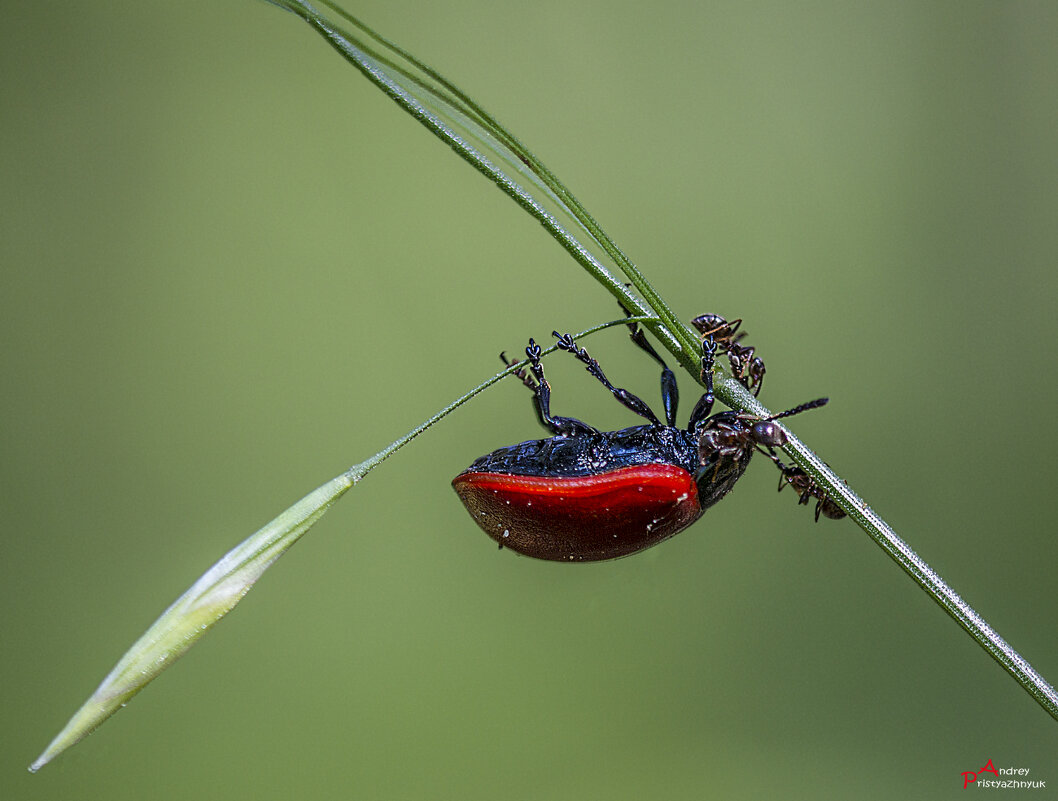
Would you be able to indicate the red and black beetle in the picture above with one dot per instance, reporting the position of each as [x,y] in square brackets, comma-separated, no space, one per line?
[584,495]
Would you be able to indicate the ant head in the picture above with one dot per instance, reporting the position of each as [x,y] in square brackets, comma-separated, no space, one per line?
[765,432]
[715,326]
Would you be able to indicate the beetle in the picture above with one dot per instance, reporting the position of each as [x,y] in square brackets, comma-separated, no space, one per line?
[584,495]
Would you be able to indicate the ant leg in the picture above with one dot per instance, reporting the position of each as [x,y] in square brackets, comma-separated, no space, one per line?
[756,375]
[793,476]
[626,398]
[829,509]
[670,392]
[704,407]
[806,488]
[746,367]
[542,395]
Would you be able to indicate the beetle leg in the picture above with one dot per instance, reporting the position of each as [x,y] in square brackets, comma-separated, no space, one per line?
[528,381]
[704,407]
[552,424]
[542,394]
[626,398]
[521,372]
[670,392]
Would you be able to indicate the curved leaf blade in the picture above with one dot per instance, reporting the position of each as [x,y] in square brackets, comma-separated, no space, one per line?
[195,612]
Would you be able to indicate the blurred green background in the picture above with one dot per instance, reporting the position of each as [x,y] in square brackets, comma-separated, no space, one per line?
[231,268]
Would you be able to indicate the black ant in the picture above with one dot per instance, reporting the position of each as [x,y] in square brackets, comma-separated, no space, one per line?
[806,488]
[747,368]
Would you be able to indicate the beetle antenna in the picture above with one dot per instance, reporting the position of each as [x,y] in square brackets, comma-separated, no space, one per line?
[804,407]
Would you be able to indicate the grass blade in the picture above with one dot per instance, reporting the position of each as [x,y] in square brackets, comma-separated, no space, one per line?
[194,613]
[494,151]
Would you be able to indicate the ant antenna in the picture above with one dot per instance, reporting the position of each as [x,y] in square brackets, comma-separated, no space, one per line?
[804,407]
[765,432]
